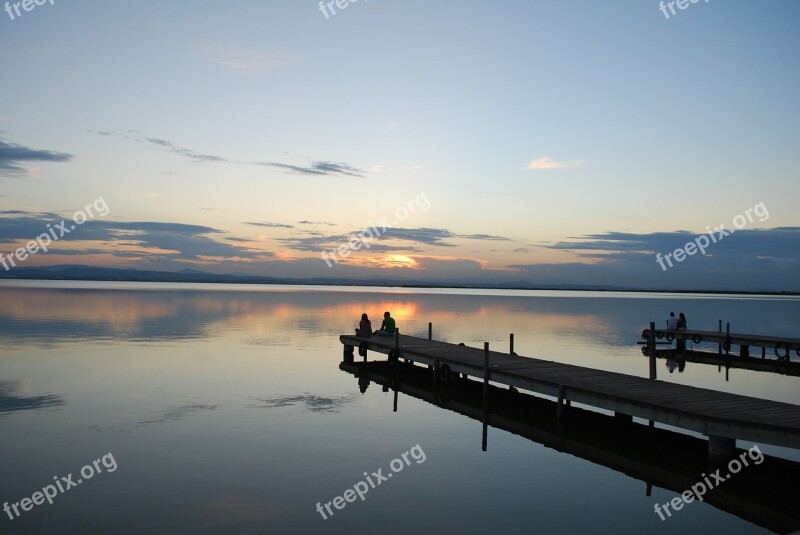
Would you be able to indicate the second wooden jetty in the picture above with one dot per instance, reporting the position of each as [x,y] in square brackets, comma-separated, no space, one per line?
[721,416]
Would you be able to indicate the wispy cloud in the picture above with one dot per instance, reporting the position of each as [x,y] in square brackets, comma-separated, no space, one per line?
[241,58]
[268,224]
[326,223]
[547,162]
[318,168]
[314,167]
[12,157]
[487,237]
[182,151]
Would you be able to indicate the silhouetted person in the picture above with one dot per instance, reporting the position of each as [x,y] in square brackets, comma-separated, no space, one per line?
[387,327]
[364,326]
[672,322]
[681,322]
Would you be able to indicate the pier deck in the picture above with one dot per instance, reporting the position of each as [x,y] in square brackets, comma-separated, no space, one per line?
[782,347]
[719,415]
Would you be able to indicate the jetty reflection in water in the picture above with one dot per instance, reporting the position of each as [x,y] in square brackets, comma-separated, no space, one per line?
[658,457]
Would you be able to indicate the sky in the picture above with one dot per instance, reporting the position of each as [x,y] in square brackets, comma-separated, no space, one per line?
[557,142]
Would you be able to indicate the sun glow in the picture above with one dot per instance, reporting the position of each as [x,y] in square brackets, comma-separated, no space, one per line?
[400,261]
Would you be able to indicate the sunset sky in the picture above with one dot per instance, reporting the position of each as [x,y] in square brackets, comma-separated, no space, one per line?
[555,142]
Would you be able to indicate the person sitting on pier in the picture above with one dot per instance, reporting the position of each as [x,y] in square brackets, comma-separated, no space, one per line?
[672,322]
[387,327]
[681,322]
[364,326]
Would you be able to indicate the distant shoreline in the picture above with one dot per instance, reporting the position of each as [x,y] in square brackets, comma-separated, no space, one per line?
[82,273]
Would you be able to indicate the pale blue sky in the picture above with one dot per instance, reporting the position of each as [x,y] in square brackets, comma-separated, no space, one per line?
[659,125]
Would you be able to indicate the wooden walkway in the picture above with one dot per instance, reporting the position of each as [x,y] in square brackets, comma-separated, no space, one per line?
[721,416]
[783,347]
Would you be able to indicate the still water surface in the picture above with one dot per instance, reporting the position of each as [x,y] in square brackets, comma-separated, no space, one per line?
[225,411]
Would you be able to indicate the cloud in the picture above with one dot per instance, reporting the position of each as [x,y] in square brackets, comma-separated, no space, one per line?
[144,240]
[326,223]
[487,237]
[315,167]
[181,151]
[13,156]
[316,241]
[318,168]
[268,225]
[242,59]
[546,162]
[756,245]
[428,236]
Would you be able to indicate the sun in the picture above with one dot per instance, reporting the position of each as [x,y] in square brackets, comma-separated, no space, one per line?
[400,261]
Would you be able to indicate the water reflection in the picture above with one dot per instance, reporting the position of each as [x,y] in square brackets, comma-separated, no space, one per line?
[763,494]
[13,398]
[594,329]
[311,402]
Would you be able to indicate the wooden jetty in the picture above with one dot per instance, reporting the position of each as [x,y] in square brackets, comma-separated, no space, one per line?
[721,416]
[782,347]
[637,450]
[728,362]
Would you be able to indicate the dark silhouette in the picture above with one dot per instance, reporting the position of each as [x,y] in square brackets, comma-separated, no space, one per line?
[364,326]
[681,322]
[672,322]
[387,327]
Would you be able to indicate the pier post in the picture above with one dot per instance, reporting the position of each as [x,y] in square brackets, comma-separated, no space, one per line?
[728,337]
[560,406]
[485,370]
[485,434]
[348,355]
[651,350]
[397,343]
[430,330]
[511,345]
[719,350]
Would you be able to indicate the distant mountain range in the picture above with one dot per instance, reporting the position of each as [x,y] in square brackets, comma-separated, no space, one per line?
[89,273]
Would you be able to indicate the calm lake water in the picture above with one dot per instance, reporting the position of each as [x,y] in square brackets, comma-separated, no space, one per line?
[222,409]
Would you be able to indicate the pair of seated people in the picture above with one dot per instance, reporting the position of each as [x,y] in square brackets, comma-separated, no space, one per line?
[365,326]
